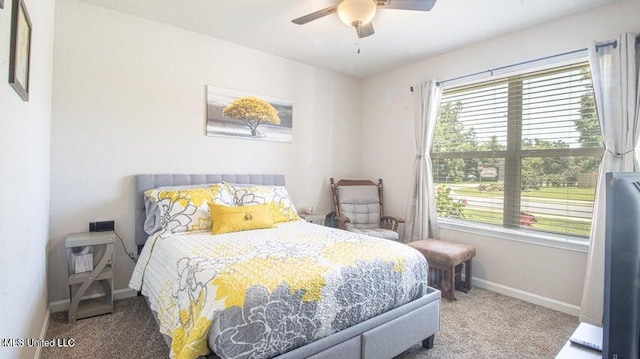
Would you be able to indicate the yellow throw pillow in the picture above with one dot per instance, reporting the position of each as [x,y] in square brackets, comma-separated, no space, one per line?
[241,218]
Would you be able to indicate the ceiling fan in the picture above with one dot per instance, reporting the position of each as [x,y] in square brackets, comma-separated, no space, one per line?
[359,13]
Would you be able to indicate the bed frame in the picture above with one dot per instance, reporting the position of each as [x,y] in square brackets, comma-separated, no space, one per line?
[381,337]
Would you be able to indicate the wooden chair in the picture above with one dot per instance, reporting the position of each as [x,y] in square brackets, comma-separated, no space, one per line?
[359,208]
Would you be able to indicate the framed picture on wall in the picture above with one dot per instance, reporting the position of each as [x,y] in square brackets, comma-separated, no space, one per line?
[236,114]
[20,49]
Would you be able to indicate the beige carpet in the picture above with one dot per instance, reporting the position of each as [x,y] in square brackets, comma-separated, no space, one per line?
[481,324]
[485,324]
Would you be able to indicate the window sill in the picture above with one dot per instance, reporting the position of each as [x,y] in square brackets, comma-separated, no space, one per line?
[576,244]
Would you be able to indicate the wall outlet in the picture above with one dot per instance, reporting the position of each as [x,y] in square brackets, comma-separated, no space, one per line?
[102,226]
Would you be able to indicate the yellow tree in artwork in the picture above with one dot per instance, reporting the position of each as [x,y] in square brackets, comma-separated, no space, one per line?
[253,112]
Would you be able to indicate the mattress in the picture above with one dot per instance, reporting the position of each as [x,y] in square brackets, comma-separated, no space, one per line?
[261,293]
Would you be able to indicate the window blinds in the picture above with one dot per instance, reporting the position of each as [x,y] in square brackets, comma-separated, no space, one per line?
[520,151]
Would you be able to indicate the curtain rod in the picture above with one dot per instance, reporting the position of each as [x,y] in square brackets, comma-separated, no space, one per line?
[491,71]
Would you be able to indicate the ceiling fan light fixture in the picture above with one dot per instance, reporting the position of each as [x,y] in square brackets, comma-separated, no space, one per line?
[357,12]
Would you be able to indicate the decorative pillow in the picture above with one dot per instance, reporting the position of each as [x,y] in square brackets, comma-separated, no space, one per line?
[282,209]
[222,194]
[228,219]
[183,208]
[153,219]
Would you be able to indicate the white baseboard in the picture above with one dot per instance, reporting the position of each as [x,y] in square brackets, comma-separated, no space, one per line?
[62,305]
[43,332]
[527,297]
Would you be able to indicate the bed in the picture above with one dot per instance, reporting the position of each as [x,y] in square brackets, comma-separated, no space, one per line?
[383,328]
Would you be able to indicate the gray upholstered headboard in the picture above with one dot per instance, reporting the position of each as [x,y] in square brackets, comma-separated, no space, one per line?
[145,182]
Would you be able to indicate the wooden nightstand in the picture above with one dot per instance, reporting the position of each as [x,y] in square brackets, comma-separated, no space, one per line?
[99,281]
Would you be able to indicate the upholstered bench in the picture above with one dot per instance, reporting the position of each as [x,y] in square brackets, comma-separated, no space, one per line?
[445,264]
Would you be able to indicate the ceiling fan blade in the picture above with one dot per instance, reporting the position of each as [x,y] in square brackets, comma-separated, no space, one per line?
[365,30]
[315,15]
[419,5]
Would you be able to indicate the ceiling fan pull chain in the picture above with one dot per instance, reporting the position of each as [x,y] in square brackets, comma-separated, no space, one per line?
[358,38]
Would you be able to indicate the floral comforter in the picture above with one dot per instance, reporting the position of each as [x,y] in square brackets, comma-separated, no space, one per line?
[261,293]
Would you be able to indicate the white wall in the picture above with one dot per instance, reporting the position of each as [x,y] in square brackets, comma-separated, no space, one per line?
[129,98]
[24,183]
[388,108]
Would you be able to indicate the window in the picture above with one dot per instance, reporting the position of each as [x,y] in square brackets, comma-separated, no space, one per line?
[520,152]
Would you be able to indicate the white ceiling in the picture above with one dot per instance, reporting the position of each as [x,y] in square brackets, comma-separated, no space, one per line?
[402,37]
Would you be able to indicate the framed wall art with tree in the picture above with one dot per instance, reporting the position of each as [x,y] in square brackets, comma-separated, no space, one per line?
[236,114]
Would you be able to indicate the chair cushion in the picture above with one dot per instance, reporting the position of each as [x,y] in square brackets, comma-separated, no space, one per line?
[376,232]
[361,204]
[441,253]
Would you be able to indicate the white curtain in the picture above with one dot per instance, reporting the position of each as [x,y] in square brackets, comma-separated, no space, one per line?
[614,69]
[421,217]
